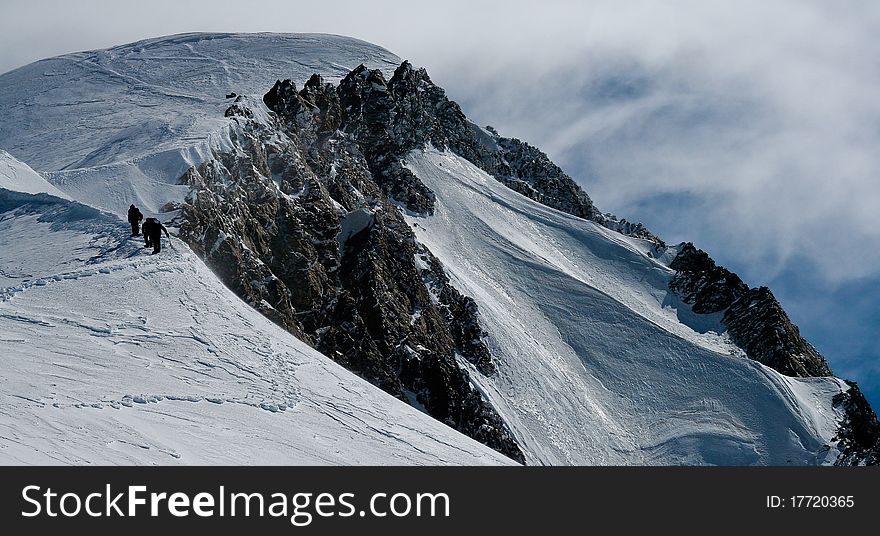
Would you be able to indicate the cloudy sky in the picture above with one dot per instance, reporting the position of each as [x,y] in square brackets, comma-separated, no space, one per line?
[751,128]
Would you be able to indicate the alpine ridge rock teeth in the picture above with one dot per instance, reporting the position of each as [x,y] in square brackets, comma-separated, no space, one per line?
[301,220]
[707,287]
[757,323]
[753,316]
[858,434]
[389,119]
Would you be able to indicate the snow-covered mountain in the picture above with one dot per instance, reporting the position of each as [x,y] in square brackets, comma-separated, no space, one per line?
[355,206]
[113,356]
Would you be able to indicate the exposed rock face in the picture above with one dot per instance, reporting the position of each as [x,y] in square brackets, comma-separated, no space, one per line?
[757,323]
[296,219]
[753,316]
[410,111]
[527,170]
[382,305]
[707,287]
[859,434]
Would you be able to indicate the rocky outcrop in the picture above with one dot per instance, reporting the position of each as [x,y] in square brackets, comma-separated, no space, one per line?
[299,218]
[859,434]
[757,323]
[707,287]
[389,119]
[460,312]
[345,146]
[384,308]
[753,317]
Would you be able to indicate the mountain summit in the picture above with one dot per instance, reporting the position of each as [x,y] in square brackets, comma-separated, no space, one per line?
[340,193]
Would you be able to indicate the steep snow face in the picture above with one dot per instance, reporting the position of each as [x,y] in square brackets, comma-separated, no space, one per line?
[19,177]
[113,356]
[597,363]
[119,126]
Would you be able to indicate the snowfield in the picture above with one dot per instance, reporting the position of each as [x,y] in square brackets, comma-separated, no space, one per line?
[596,362]
[114,356]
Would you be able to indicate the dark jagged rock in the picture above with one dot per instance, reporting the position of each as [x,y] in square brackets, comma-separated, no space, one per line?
[296,220]
[529,171]
[757,323]
[707,287]
[753,317]
[285,100]
[389,119]
[514,163]
[859,434]
[523,168]
[460,312]
[229,225]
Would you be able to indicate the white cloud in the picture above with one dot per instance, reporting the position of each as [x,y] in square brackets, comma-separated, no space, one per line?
[765,113]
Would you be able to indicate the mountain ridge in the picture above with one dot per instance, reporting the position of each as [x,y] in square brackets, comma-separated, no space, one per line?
[113,356]
[326,169]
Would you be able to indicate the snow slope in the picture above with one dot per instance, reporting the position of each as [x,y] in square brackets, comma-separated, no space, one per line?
[19,177]
[113,356]
[119,126]
[596,362]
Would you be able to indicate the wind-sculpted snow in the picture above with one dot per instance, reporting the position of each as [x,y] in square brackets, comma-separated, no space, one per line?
[119,126]
[594,366]
[19,177]
[110,355]
[81,234]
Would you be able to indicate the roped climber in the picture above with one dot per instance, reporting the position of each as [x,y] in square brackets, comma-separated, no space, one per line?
[134,218]
[153,229]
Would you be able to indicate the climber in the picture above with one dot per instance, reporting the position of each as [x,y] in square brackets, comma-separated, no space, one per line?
[153,234]
[134,218]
